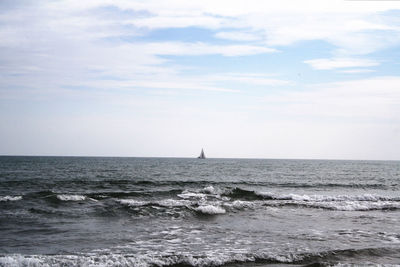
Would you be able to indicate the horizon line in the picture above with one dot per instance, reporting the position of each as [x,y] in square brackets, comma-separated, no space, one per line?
[171,157]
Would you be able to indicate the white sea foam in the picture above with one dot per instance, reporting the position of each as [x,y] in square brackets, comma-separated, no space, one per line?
[327,198]
[211,190]
[19,260]
[210,209]
[165,202]
[273,196]
[239,204]
[353,205]
[362,202]
[132,202]
[71,197]
[173,203]
[218,257]
[162,259]
[10,198]
[153,259]
[187,195]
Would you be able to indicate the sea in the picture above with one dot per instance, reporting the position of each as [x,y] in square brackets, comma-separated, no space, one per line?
[99,211]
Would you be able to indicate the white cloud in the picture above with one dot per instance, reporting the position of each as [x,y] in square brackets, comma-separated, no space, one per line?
[239,7]
[160,22]
[352,71]
[51,44]
[337,63]
[341,23]
[173,82]
[345,24]
[369,100]
[249,79]
[238,36]
[179,48]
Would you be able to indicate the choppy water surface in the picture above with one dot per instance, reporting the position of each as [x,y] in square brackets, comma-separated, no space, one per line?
[57,211]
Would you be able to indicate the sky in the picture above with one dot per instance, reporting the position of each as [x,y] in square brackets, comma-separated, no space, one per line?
[315,79]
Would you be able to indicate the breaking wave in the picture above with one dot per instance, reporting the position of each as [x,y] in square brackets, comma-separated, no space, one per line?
[215,258]
[238,193]
[71,197]
[162,203]
[210,209]
[326,198]
[351,205]
[10,198]
[217,200]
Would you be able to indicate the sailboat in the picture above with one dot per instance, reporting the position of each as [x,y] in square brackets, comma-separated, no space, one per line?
[202,156]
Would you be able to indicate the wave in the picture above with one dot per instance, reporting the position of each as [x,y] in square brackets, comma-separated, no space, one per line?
[161,203]
[189,183]
[238,193]
[350,205]
[132,202]
[55,197]
[183,183]
[237,205]
[135,186]
[188,195]
[121,194]
[240,205]
[239,199]
[210,210]
[71,197]
[364,202]
[326,198]
[10,198]
[46,195]
[227,199]
[255,183]
[215,258]
[58,196]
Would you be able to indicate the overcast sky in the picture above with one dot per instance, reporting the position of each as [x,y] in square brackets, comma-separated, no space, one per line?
[263,79]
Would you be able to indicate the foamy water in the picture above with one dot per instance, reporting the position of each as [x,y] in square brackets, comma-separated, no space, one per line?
[10,198]
[71,197]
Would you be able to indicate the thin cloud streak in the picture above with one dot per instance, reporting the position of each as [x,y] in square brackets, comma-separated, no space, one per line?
[339,63]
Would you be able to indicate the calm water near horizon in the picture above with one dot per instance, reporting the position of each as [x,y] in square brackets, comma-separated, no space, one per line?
[95,211]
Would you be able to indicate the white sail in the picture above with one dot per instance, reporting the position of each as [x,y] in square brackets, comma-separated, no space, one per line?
[202,155]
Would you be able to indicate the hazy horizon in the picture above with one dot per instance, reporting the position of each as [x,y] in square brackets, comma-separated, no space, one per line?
[194,157]
[241,79]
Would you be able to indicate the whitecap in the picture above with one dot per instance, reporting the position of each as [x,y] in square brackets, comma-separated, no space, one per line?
[326,198]
[186,195]
[208,258]
[210,209]
[269,195]
[71,197]
[209,190]
[10,198]
[354,205]
[240,204]
[173,203]
[132,202]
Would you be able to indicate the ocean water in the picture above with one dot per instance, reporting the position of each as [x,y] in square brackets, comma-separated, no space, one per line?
[84,211]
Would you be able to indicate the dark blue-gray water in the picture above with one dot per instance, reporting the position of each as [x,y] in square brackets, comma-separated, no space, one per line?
[73,211]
